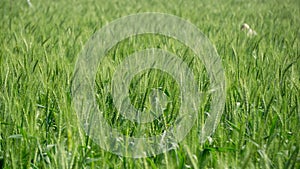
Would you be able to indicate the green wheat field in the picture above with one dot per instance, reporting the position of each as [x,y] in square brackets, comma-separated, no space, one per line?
[39,45]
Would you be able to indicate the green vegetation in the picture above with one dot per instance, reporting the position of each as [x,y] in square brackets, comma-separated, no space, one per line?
[39,46]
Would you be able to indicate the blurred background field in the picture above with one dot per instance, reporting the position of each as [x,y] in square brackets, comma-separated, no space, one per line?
[39,45]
